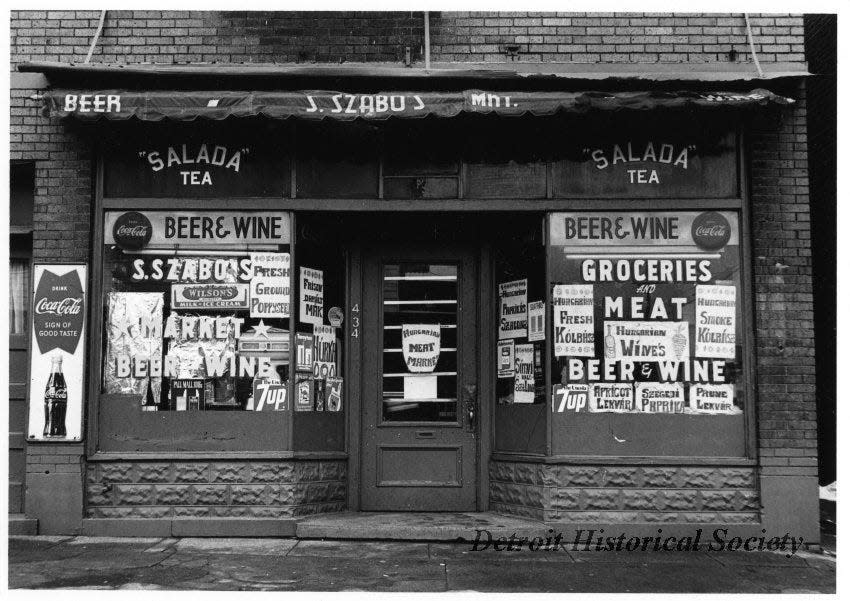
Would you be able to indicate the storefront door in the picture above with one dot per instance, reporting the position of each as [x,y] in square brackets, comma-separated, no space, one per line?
[419,380]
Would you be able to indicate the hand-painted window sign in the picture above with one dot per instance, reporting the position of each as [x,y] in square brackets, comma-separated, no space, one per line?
[420,346]
[680,231]
[203,154]
[645,310]
[312,296]
[166,229]
[233,161]
[688,163]
[513,303]
[187,160]
[604,157]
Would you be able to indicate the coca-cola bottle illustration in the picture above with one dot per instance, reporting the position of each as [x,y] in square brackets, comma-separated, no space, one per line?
[55,400]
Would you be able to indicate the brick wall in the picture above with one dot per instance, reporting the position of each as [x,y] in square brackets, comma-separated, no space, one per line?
[218,489]
[61,232]
[625,494]
[258,36]
[782,273]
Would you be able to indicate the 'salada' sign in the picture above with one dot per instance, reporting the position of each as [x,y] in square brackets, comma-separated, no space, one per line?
[684,163]
[195,164]
[187,229]
[57,357]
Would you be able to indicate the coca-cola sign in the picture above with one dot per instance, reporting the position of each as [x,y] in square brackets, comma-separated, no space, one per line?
[132,231]
[58,311]
[711,231]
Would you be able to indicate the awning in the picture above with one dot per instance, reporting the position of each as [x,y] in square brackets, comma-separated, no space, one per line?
[89,105]
[445,73]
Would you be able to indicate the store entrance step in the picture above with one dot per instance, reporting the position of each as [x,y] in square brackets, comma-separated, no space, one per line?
[429,526]
[21,524]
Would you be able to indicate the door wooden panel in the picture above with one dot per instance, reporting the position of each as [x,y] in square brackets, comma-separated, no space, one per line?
[418,439]
[403,465]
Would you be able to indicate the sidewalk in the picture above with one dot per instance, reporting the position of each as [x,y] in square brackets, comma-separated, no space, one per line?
[319,565]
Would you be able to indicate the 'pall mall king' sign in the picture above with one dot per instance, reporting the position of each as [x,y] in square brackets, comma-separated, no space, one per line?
[134,230]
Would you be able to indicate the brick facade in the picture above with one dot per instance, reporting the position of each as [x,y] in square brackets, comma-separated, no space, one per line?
[777,168]
[214,489]
[625,493]
[259,36]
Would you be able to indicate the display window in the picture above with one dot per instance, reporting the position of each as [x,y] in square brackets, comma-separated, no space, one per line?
[520,330]
[197,310]
[320,311]
[647,317]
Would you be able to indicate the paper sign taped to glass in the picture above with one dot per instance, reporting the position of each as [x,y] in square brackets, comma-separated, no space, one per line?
[270,294]
[715,321]
[513,309]
[134,331]
[572,320]
[420,388]
[647,340]
[524,373]
[505,359]
[420,345]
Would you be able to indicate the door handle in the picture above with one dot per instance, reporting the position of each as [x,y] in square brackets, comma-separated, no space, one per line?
[471,407]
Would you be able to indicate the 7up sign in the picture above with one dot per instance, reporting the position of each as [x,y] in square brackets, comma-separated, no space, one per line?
[569,397]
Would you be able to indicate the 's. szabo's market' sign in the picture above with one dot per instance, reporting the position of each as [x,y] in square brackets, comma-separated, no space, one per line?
[132,230]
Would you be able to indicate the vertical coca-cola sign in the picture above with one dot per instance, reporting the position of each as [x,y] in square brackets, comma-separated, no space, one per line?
[58,342]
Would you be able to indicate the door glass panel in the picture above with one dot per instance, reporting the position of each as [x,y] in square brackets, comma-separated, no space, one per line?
[420,303]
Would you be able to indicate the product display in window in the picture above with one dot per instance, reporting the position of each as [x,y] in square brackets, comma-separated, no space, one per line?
[223,281]
[521,315]
[133,343]
[645,317]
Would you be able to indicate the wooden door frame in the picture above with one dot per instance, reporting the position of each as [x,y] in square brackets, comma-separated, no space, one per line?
[20,247]
[482,260]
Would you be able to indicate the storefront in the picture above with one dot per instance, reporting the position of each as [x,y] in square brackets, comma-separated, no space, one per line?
[535,303]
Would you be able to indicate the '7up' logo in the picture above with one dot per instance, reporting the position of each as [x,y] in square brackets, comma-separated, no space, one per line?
[269,396]
[572,397]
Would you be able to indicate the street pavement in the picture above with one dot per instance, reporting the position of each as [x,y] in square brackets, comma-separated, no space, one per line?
[252,564]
